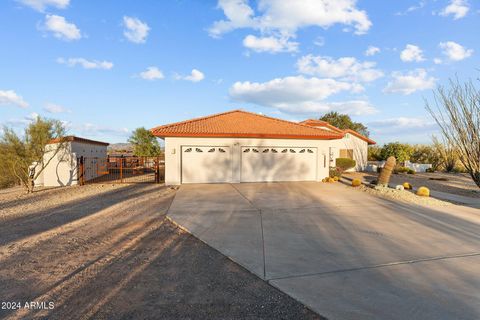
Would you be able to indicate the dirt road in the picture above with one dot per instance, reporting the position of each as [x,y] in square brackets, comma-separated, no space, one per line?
[107,252]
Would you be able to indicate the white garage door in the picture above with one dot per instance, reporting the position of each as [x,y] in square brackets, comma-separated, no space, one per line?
[206,164]
[278,164]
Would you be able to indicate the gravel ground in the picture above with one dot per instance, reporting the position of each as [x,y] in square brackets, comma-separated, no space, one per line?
[107,252]
[403,195]
[456,183]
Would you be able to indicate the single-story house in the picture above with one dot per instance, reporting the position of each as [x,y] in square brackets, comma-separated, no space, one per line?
[63,168]
[239,146]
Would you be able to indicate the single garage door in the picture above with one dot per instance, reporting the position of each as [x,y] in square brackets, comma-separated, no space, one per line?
[206,164]
[278,164]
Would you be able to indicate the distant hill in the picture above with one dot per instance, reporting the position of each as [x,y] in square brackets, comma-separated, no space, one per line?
[120,147]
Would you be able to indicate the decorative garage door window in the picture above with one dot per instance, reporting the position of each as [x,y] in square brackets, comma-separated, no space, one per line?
[205,149]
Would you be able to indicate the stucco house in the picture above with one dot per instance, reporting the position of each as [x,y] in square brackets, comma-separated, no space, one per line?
[63,168]
[239,146]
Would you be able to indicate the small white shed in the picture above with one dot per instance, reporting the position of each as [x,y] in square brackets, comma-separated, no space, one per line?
[63,167]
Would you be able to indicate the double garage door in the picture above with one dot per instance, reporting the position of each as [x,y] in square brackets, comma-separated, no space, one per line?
[210,164]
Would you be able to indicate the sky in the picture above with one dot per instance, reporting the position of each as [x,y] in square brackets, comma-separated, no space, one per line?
[107,67]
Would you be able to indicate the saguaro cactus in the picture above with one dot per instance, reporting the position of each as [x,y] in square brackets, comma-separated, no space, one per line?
[384,177]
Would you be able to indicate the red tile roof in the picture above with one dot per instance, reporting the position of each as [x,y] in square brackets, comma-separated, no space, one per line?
[319,123]
[242,124]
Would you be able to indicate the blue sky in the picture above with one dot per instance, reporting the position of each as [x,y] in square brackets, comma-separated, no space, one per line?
[107,67]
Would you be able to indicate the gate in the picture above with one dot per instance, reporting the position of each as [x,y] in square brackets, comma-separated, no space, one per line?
[115,170]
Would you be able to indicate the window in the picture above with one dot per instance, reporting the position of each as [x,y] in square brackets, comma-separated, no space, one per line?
[221,150]
[211,150]
[255,150]
[310,151]
[284,151]
[302,151]
[188,150]
[198,150]
[265,151]
[274,151]
[346,153]
[246,150]
[292,151]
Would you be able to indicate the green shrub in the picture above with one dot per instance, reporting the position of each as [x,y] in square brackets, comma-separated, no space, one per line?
[430,170]
[345,163]
[334,172]
[400,151]
[411,171]
[400,169]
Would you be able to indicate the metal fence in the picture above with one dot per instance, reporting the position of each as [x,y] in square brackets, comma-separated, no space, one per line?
[121,170]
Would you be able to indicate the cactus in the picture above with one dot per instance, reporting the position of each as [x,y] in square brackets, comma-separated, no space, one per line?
[407,186]
[356,182]
[423,192]
[386,173]
[331,180]
[335,178]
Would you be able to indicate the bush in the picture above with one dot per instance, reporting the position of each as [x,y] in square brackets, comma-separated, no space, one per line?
[430,170]
[334,172]
[423,192]
[374,153]
[401,169]
[344,164]
[411,171]
[356,182]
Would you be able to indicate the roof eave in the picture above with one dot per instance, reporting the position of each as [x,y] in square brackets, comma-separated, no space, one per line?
[248,135]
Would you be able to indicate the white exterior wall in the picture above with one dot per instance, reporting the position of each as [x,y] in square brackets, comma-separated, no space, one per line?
[173,148]
[62,169]
[359,147]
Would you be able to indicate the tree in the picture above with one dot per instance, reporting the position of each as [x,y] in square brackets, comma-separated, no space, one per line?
[426,154]
[374,153]
[145,143]
[343,121]
[24,158]
[402,152]
[456,110]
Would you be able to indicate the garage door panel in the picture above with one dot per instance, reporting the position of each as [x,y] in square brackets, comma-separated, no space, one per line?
[206,164]
[278,164]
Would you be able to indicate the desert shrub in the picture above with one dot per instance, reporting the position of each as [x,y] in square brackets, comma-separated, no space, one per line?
[400,151]
[344,164]
[356,182]
[411,171]
[400,169]
[374,153]
[334,172]
[427,155]
[430,170]
[423,192]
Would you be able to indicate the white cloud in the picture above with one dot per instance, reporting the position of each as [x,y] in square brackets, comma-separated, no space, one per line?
[410,82]
[371,51]
[55,108]
[455,51]
[269,44]
[135,30]
[86,64]
[282,19]
[420,5]
[61,28]
[319,41]
[91,129]
[346,68]
[412,53]
[152,73]
[296,94]
[10,97]
[402,126]
[457,8]
[41,5]
[437,61]
[194,76]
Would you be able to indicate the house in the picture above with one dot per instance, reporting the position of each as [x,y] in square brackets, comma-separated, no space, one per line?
[63,168]
[239,146]
[353,145]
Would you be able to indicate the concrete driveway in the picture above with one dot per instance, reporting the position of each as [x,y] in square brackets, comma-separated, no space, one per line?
[342,252]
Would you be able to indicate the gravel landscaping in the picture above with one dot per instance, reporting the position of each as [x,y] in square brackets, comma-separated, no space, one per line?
[107,252]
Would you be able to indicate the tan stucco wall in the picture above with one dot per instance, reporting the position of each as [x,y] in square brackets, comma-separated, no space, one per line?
[173,153]
[62,169]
